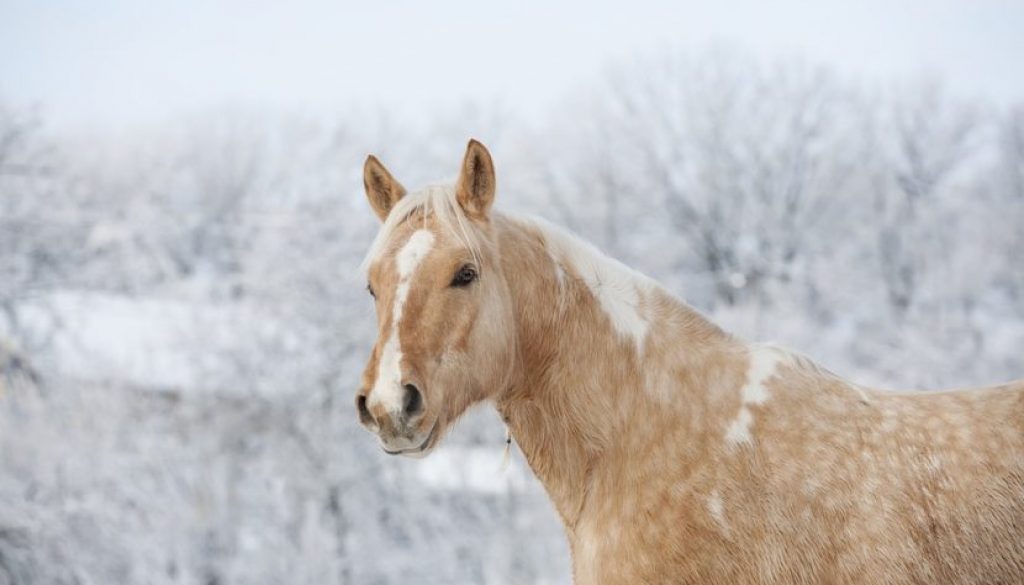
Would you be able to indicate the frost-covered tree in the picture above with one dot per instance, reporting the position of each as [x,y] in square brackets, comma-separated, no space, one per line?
[189,302]
[751,165]
[925,139]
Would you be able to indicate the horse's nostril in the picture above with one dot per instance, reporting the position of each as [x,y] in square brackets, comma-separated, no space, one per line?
[364,412]
[412,403]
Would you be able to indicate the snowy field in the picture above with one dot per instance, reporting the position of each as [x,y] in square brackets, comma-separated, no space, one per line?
[183,325]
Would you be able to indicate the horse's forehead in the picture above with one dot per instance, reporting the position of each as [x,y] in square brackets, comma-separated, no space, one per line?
[407,246]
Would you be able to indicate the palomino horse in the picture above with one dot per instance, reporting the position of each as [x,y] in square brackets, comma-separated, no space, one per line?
[674,452]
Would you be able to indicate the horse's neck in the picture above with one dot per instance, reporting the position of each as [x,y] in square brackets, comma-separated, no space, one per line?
[583,381]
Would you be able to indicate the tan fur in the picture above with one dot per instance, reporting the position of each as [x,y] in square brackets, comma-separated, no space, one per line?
[827,483]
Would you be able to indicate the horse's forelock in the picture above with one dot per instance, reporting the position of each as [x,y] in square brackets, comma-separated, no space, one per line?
[437,201]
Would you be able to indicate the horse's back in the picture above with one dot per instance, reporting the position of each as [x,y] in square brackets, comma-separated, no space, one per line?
[975,414]
[885,487]
[960,499]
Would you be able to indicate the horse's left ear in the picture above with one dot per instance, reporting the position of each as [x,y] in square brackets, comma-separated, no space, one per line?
[475,188]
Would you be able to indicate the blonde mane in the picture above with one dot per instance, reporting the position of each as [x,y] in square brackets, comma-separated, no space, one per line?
[438,201]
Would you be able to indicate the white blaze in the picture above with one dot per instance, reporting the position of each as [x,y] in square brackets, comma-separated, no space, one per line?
[388,388]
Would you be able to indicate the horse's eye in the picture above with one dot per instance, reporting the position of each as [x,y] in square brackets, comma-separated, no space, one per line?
[369,289]
[464,276]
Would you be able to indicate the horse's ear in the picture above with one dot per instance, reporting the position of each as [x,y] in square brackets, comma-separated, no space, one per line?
[382,190]
[475,189]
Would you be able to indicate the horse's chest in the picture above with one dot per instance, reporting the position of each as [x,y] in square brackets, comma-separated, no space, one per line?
[627,540]
[608,552]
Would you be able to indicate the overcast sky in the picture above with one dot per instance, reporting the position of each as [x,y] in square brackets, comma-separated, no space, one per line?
[120,62]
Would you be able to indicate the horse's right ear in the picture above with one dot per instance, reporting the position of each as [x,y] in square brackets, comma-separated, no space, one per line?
[382,190]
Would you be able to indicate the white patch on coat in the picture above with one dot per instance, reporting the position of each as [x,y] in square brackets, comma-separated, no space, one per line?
[387,390]
[763,362]
[716,508]
[762,366]
[618,289]
[739,428]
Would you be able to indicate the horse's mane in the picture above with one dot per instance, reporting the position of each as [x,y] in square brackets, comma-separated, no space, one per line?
[436,200]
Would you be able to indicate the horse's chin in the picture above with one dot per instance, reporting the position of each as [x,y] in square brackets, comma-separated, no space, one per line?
[417,454]
[424,448]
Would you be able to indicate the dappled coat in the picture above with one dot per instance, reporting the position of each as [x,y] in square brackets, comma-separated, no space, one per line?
[674,452]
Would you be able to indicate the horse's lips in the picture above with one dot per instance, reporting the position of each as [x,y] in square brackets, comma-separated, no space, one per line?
[422,447]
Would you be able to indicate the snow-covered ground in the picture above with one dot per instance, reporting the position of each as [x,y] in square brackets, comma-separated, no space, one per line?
[148,342]
[167,343]
[475,469]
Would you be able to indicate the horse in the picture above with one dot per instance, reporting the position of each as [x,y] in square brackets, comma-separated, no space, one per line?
[672,451]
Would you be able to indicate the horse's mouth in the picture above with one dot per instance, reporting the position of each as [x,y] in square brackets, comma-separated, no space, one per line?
[426,444]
